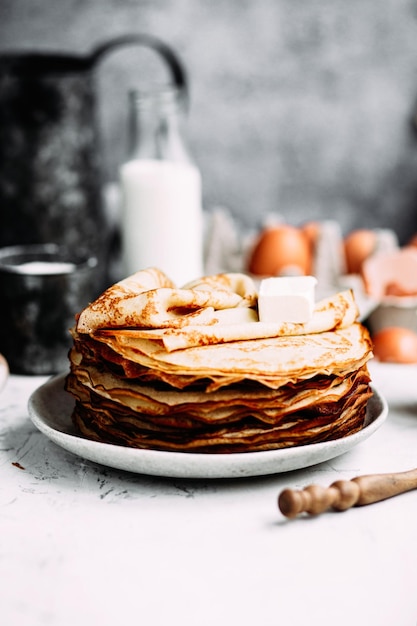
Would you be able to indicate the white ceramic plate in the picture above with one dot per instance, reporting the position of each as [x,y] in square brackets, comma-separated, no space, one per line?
[50,408]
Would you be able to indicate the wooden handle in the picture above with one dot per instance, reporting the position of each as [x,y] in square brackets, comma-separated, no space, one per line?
[344,494]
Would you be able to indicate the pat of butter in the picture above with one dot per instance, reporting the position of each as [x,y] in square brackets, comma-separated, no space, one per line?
[287,299]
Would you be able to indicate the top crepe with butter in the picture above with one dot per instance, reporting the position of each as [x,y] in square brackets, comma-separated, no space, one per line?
[214,309]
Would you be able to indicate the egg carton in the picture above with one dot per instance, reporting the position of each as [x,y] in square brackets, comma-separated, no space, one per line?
[228,248]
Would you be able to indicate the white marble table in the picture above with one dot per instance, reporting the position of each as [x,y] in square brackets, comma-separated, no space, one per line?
[84,544]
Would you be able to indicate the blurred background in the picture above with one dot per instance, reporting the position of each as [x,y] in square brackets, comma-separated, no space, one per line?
[304,109]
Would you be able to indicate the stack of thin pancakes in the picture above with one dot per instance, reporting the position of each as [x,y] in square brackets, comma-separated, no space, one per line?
[194,370]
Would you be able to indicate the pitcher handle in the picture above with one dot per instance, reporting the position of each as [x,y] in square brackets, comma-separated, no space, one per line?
[174,63]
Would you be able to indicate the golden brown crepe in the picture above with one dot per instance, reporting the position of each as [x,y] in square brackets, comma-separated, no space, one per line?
[215,386]
[149,299]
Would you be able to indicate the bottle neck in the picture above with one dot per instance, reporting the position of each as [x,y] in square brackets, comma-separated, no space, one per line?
[154,126]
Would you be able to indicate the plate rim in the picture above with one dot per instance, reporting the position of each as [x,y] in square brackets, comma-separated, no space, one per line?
[176,464]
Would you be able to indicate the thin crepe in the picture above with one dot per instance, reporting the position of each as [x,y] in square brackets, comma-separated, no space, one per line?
[245,429]
[273,361]
[149,299]
[221,406]
[335,312]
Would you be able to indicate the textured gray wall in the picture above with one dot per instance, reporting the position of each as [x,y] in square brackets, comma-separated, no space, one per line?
[303,108]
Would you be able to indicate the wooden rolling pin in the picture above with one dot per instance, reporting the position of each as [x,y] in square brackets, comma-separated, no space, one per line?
[344,494]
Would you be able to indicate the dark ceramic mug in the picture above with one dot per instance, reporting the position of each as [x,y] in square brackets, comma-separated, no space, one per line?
[43,287]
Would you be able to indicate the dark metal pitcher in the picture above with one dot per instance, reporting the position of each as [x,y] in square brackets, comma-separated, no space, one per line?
[50,179]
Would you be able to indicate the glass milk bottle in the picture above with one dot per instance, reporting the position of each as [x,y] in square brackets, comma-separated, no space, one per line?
[162,217]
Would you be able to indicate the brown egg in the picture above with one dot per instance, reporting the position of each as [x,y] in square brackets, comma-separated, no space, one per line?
[281,250]
[359,245]
[395,345]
